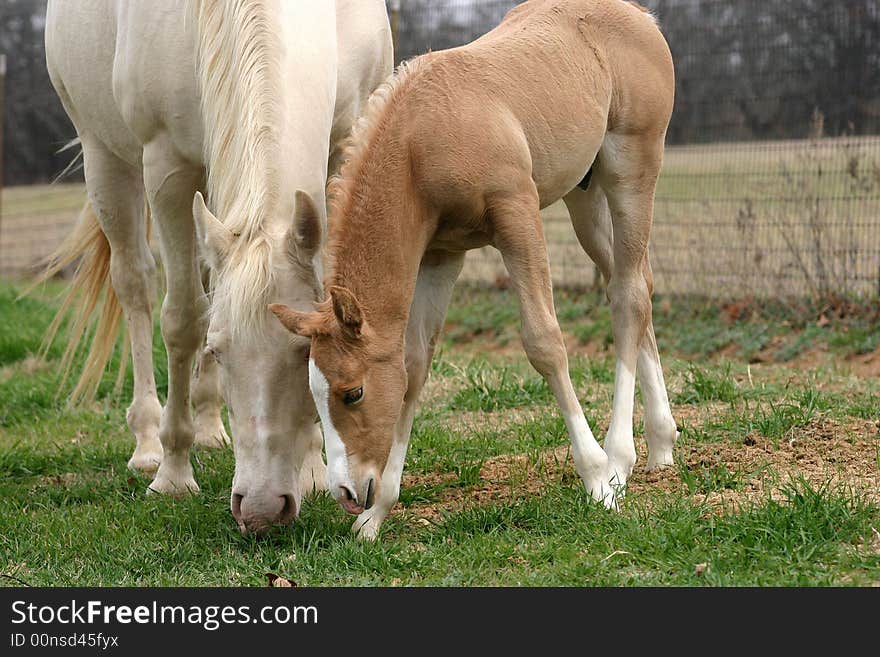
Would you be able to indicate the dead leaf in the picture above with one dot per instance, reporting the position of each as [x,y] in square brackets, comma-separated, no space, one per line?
[276,581]
[701,568]
[822,321]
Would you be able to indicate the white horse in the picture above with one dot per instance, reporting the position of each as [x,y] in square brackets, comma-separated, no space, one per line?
[246,100]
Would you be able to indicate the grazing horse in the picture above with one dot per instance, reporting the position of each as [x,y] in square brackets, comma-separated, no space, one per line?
[247,101]
[462,149]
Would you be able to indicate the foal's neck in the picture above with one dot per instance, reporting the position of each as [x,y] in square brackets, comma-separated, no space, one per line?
[377,243]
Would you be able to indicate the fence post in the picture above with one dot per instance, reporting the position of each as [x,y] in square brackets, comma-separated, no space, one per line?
[2,126]
[394,6]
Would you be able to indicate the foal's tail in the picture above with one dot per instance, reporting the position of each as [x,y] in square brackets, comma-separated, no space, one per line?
[87,244]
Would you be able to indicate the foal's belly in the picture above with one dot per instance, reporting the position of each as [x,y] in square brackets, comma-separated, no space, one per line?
[461,238]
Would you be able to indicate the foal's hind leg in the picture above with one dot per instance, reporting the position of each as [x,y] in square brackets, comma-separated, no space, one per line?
[437,275]
[117,195]
[171,184]
[591,219]
[519,235]
[628,173]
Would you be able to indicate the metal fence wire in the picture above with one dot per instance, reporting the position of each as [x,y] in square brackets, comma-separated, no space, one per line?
[771,177]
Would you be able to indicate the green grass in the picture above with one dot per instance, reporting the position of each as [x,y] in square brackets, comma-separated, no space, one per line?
[72,515]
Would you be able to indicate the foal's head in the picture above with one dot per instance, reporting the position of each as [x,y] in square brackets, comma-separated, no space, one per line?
[358,381]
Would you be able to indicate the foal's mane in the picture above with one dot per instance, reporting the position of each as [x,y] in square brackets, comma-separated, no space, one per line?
[342,188]
[238,67]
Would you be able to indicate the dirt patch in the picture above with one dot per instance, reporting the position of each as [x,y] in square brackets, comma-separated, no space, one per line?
[722,475]
[865,365]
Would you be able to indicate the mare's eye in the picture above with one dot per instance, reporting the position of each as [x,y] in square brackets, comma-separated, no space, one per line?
[352,397]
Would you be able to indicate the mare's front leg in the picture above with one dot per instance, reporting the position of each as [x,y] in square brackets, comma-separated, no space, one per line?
[171,183]
[117,196]
[519,235]
[437,275]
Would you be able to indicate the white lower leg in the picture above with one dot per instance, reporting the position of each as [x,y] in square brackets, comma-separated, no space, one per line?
[660,428]
[145,412]
[590,461]
[207,402]
[143,418]
[182,338]
[175,474]
[619,445]
[368,523]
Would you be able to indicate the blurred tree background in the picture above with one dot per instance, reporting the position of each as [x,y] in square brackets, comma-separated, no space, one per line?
[745,70]
[36,125]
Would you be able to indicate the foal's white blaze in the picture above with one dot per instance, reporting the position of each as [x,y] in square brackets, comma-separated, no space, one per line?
[337,460]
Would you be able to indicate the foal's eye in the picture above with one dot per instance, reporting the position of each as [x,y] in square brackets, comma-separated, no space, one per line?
[352,397]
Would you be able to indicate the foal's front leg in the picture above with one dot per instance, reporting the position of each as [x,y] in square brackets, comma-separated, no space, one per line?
[437,276]
[519,235]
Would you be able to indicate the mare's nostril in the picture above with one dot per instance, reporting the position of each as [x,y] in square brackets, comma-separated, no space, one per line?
[288,513]
[235,506]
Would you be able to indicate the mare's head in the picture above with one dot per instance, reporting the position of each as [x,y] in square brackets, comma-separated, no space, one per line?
[263,369]
[358,380]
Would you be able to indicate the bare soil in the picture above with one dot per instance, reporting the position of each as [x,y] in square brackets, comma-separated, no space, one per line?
[823,452]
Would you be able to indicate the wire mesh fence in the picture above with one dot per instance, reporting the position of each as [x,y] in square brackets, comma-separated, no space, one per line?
[771,178]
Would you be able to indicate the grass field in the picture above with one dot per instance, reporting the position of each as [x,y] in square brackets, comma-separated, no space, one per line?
[776,480]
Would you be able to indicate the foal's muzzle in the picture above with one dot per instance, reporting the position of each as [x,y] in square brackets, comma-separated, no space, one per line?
[353,503]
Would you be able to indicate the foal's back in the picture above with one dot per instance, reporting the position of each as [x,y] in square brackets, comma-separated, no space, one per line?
[541,90]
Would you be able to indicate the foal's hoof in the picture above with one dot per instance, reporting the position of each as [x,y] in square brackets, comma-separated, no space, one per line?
[604,492]
[367,526]
[660,449]
[658,461]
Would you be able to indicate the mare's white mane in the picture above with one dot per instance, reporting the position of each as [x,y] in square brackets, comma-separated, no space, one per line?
[239,63]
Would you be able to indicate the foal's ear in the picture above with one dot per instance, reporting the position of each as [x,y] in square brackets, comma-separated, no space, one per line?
[347,310]
[215,239]
[305,324]
[304,237]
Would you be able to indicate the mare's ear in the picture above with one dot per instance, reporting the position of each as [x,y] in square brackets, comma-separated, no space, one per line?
[215,239]
[347,310]
[305,324]
[304,236]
